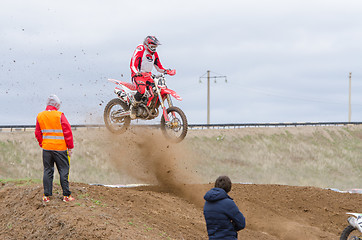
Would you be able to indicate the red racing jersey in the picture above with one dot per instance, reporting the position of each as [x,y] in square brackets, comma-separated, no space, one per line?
[143,61]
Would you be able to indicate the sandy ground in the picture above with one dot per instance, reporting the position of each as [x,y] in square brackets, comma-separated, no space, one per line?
[154,212]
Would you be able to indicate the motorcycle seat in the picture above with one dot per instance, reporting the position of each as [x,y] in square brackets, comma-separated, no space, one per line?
[131,86]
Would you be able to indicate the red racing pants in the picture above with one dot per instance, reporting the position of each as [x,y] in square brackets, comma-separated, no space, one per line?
[143,83]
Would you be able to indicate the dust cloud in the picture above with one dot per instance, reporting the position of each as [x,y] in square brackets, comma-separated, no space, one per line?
[146,155]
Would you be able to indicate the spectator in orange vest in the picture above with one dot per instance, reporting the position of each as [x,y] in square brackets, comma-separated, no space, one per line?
[54,135]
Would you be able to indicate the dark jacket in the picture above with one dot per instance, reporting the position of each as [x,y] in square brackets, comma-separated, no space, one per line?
[223,218]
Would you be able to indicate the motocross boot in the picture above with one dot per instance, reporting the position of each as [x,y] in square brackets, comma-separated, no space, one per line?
[135,101]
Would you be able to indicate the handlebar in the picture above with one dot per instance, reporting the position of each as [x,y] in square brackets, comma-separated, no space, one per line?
[158,75]
[151,74]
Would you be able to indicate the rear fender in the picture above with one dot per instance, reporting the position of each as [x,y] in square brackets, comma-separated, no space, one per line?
[126,88]
[171,92]
[124,85]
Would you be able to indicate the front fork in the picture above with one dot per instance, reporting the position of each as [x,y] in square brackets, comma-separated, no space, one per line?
[165,115]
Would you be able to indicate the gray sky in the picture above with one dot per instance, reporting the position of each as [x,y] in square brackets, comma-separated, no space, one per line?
[285,60]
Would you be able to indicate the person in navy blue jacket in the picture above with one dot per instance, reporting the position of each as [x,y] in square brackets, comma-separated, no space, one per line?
[223,218]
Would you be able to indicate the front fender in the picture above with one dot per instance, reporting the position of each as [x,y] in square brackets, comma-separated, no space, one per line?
[172,92]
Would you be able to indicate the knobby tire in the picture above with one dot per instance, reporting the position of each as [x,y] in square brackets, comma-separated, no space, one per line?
[112,127]
[184,125]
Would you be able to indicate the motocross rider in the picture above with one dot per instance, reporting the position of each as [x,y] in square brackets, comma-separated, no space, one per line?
[142,62]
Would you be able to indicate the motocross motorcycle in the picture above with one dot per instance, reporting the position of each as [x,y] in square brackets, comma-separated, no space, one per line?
[117,115]
[354,230]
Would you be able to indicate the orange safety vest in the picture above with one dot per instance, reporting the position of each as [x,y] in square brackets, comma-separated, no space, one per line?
[51,128]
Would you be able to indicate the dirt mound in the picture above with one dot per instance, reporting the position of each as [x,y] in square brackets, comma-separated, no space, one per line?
[151,212]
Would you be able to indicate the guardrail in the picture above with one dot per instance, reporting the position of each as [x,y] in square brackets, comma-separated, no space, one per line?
[200,126]
[285,124]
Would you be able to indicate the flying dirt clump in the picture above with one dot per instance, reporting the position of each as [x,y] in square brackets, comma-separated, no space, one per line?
[147,156]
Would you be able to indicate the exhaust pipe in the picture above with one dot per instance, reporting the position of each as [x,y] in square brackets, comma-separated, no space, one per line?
[122,114]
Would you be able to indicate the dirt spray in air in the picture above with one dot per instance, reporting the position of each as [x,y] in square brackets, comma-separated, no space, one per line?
[147,156]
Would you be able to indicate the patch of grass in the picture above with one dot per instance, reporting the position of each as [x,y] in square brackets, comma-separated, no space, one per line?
[21,182]
[148,228]
[96,202]
[83,196]
[297,156]
[247,139]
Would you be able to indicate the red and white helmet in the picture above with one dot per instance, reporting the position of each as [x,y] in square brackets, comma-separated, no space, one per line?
[151,42]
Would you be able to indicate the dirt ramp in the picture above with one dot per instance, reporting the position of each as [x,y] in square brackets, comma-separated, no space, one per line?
[148,157]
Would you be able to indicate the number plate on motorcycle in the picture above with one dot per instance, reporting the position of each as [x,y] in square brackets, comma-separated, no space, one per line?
[359,220]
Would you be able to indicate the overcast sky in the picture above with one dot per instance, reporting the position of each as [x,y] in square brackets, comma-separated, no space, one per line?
[285,60]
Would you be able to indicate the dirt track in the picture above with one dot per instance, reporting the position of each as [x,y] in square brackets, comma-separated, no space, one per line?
[272,212]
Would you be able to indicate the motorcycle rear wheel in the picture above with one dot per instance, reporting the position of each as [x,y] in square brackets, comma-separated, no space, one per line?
[113,123]
[176,129]
[350,233]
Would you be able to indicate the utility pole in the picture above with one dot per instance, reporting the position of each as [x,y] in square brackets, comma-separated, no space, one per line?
[208,96]
[208,91]
[349,102]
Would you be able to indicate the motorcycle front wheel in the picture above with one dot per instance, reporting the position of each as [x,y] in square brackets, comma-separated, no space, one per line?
[350,233]
[115,122]
[175,129]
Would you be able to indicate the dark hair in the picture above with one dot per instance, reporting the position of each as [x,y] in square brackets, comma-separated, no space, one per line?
[223,182]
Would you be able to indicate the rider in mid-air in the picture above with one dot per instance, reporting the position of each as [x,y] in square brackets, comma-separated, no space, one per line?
[142,62]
